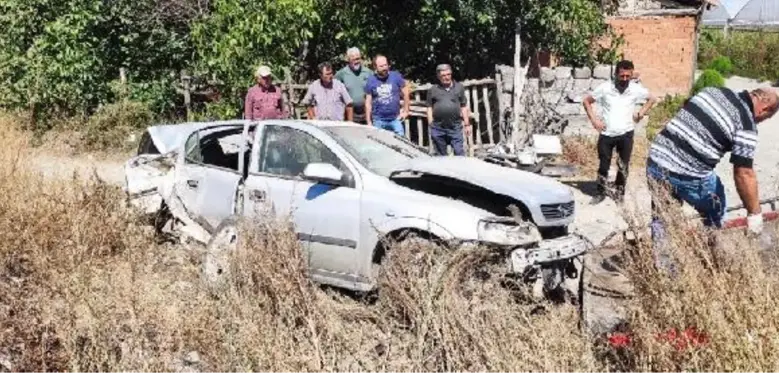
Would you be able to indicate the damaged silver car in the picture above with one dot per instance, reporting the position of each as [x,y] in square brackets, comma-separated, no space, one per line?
[347,187]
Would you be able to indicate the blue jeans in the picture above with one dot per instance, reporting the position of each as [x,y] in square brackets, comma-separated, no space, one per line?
[706,196]
[394,125]
[442,137]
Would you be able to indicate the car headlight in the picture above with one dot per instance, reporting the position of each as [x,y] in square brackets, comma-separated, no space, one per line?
[506,231]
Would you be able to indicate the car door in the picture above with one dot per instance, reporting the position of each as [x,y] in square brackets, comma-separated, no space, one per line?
[325,217]
[209,178]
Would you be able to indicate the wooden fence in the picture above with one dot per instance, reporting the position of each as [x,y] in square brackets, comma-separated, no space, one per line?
[483,101]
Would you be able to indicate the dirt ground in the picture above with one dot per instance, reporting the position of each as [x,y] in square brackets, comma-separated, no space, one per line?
[594,222]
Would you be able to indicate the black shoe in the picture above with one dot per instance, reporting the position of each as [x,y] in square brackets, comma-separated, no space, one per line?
[597,199]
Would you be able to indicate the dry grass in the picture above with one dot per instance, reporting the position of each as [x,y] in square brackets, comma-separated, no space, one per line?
[86,288]
[725,292]
[582,151]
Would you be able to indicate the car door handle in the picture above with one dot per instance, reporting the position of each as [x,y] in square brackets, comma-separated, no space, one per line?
[257,195]
[192,184]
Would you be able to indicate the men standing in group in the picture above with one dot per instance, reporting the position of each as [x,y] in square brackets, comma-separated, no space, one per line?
[327,98]
[264,100]
[617,101]
[685,153]
[382,97]
[447,112]
[354,76]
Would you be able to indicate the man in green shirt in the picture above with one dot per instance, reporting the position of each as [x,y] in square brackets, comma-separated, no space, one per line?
[353,76]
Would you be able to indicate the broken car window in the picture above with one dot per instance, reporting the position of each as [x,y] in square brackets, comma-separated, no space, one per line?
[378,150]
[214,147]
[287,151]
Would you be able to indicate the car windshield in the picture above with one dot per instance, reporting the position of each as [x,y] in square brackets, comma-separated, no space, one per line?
[380,151]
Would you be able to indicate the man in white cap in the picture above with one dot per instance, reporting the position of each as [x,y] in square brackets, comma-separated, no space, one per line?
[264,100]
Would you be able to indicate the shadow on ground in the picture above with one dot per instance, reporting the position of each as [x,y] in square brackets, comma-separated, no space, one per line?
[587,187]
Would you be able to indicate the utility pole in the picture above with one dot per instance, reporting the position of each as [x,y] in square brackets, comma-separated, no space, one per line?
[519,76]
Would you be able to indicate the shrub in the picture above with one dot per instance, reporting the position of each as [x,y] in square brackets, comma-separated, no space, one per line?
[752,54]
[709,78]
[662,113]
[722,64]
[111,125]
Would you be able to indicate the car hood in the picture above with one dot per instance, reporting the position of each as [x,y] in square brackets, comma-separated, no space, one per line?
[522,185]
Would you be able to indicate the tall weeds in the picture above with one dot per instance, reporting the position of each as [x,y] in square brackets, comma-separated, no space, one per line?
[84,287]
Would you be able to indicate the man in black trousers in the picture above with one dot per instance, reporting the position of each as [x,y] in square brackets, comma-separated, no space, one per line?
[617,102]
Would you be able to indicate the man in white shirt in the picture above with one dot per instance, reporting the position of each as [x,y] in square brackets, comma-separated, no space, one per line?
[617,100]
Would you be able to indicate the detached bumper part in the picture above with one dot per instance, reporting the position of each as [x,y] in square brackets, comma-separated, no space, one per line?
[521,259]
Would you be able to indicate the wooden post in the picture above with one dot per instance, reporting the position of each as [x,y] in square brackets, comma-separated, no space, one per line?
[485,96]
[501,104]
[185,80]
[420,127]
[474,93]
[123,83]
[517,137]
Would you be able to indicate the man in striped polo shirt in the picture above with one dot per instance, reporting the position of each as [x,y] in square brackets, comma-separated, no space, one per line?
[685,153]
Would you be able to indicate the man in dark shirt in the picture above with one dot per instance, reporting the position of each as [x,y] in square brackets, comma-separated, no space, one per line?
[447,112]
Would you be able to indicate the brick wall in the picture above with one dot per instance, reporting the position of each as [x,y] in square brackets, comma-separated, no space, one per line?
[662,48]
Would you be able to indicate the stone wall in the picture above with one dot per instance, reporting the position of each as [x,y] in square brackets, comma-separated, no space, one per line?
[561,89]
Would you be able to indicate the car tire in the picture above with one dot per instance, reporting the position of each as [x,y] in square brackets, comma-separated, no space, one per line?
[215,267]
[409,238]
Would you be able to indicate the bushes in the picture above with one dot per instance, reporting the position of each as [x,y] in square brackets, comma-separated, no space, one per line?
[709,78]
[752,54]
[662,113]
[112,124]
[722,64]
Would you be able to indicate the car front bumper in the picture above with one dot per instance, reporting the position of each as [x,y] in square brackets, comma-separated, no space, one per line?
[522,259]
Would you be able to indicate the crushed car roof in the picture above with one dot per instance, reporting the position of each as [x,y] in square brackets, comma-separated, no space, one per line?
[168,137]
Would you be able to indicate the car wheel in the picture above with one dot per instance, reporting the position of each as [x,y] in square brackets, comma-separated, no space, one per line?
[216,260]
[410,238]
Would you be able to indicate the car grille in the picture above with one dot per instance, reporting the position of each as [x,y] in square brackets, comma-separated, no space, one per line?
[558,210]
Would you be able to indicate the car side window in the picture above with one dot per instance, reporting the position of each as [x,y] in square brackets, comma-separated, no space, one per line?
[219,148]
[192,149]
[287,151]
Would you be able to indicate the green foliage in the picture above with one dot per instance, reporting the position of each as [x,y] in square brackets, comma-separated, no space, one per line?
[63,58]
[753,54]
[111,125]
[62,55]
[240,35]
[722,64]
[472,35]
[709,78]
[568,28]
[662,113]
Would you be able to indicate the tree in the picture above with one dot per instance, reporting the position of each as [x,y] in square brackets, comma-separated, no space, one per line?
[237,36]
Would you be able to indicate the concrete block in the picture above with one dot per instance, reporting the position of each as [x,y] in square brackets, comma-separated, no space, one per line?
[602,72]
[508,82]
[563,72]
[582,73]
[569,109]
[547,75]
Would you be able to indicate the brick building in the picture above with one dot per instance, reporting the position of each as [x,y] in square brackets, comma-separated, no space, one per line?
[661,38]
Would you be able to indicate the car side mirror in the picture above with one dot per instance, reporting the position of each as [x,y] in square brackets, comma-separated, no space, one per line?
[323,173]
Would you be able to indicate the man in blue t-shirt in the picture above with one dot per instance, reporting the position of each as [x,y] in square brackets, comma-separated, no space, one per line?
[382,97]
